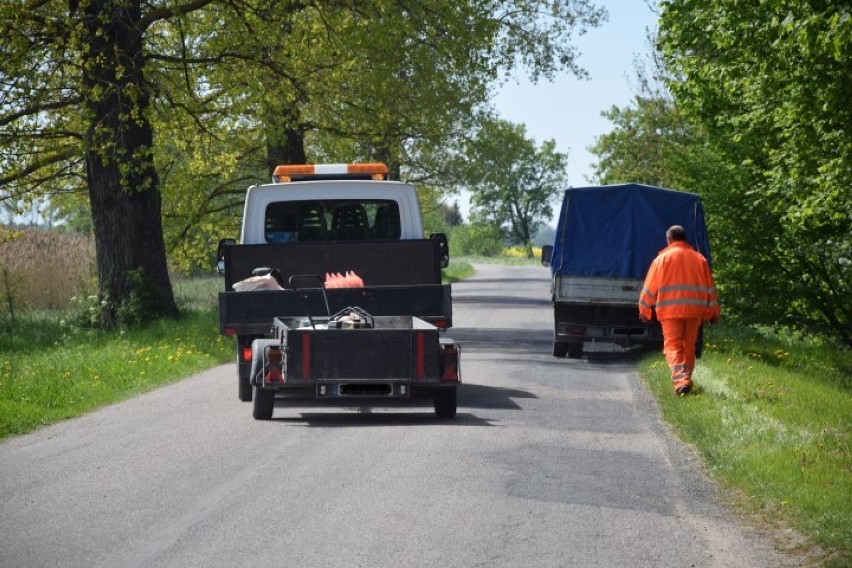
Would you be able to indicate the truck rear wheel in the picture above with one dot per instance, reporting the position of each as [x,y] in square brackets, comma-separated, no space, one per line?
[575,349]
[446,403]
[559,349]
[245,389]
[264,403]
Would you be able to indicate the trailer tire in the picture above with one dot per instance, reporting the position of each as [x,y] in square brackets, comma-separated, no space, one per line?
[446,403]
[264,403]
[245,389]
[575,349]
[560,349]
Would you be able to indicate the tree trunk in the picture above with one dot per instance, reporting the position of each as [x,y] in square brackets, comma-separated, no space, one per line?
[123,183]
[285,139]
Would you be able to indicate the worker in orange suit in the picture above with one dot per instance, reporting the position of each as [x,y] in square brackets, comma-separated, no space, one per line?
[679,290]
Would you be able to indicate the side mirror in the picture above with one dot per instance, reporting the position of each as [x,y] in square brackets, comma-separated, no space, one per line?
[220,254]
[546,255]
[443,248]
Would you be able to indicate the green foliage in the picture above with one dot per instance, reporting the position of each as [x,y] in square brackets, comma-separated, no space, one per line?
[456,271]
[228,90]
[770,84]
[513,181]
[51,372]
[770,417]
[756,126]
[478,239]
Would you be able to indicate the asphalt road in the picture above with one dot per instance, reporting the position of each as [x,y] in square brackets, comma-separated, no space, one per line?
[549,463]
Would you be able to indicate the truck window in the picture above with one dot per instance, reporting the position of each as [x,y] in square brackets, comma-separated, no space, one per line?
[332,220]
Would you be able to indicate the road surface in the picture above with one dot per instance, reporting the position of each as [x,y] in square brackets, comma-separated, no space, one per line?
[550,463]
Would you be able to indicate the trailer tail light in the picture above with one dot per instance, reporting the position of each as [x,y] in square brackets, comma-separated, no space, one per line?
[450,360]
[292,172]
[441,324]
[306,356]
[230,331]
[273,355]
[246,353]
[420,352]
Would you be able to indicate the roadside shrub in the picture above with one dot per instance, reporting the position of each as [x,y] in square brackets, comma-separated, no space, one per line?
[476,240]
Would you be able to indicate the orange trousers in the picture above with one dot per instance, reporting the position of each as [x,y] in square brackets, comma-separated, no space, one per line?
[679,336]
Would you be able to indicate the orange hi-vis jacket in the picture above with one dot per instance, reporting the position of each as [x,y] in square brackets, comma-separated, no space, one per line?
[679,285]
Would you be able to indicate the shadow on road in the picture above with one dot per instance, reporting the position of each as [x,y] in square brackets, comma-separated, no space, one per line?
[502,301]
[471,396]
[365,418]
[525,341]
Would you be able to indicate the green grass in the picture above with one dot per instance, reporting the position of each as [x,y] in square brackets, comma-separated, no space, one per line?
[772,419]
[457,270]
[51,370]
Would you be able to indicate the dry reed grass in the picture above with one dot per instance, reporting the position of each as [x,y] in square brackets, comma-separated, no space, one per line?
[41,269]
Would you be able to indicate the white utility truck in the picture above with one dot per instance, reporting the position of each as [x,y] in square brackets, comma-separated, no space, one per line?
[303,333]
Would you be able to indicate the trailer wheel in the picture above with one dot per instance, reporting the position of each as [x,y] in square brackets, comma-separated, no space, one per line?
[264,403]
[575,349]
[446,403]
[245,389]
[560,349]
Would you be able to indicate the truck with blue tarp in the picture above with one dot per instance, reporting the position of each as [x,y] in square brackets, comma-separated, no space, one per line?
[606,238]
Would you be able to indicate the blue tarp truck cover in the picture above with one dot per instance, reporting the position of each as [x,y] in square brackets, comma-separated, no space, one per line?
[617,230]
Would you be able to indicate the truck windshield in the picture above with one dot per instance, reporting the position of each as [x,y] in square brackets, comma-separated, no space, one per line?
[331,220]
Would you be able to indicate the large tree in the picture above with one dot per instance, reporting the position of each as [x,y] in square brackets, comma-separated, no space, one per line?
[774,80]
[152,104]
[76,114]
[513,181]
[375,80]
[755,119]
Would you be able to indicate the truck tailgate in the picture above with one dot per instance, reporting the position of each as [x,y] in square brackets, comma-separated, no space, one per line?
[597,290]
[252,312]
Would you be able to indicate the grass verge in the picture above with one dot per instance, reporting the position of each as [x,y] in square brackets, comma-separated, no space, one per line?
[457,270]
[772,420]
[51,370]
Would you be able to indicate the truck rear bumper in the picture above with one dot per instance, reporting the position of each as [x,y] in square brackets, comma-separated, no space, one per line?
[613,324]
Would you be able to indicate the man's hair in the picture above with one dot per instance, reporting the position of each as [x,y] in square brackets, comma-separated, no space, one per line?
[676,233]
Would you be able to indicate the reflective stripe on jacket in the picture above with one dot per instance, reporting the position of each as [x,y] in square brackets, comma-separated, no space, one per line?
[679,285]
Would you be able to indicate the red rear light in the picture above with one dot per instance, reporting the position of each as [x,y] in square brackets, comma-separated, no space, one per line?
[246,353]
[441,324]
[230,331]
[451,363]
[576,330]
[420,350]
[274,375]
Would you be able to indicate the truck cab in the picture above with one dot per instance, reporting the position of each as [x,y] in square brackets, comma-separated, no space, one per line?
[331,203]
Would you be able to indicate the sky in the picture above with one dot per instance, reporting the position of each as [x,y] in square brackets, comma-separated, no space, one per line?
[568,109]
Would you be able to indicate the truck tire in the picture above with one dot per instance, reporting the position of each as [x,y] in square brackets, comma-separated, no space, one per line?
[446,403]
[245,389]
[560,349]
[264,403]
[575,349]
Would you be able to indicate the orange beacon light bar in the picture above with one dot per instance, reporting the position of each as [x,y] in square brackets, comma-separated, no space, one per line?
[291,172]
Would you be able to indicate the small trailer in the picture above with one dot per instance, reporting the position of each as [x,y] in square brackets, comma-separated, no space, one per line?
[352,355]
